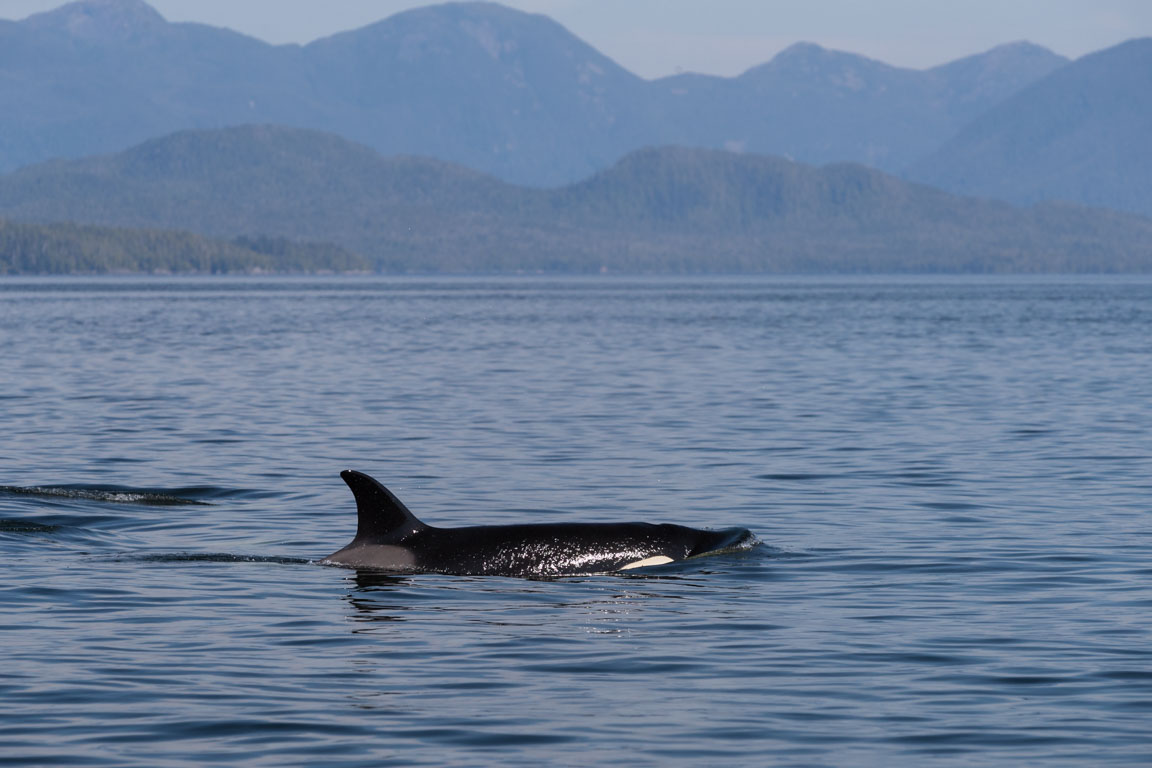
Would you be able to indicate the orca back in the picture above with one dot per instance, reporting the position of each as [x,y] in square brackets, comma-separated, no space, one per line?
[390,537]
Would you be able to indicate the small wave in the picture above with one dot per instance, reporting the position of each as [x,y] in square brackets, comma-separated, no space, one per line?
[749,542]
[24,526]
[114,495]
[214,557]
[796,476]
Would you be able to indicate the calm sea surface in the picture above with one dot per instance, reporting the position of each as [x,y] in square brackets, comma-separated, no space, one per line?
[951,478]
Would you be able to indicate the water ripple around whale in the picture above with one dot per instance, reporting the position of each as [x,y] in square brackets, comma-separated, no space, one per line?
[116,494]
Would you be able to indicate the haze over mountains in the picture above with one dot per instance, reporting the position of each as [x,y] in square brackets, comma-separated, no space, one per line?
[501,91]
[1084,133]
[505,101]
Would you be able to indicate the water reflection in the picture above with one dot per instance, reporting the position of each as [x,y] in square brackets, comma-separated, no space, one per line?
[368,597]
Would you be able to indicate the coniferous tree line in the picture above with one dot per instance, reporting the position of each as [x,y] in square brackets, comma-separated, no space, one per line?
[68,249]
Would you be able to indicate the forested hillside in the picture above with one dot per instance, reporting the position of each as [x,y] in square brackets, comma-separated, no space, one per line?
[661,210]
[69,249]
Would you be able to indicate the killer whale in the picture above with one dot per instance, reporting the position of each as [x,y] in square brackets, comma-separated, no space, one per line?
[389,537]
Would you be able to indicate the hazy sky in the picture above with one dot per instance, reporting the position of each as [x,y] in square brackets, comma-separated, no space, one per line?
[725,37]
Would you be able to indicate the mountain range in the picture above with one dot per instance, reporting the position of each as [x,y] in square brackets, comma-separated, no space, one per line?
[472,137]
[1083,133]
[508,93]
[666,209]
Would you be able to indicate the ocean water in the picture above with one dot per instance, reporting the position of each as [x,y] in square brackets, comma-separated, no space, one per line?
[951,479]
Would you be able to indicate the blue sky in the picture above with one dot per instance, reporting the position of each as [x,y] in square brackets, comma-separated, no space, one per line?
[725,37]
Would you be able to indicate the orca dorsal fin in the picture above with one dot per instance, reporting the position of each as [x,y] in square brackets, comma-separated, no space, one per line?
[381,517]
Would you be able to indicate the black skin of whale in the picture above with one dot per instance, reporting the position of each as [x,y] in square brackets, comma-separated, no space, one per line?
[389,537]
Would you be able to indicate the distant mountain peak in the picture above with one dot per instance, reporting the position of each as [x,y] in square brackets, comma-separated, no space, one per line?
[1021,54]
[803,53]
[440,18]
[812,63]
[810,58]
[1018,47]
[799,55]
[444,30]
[804,48]
[470,9]
[100,19]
